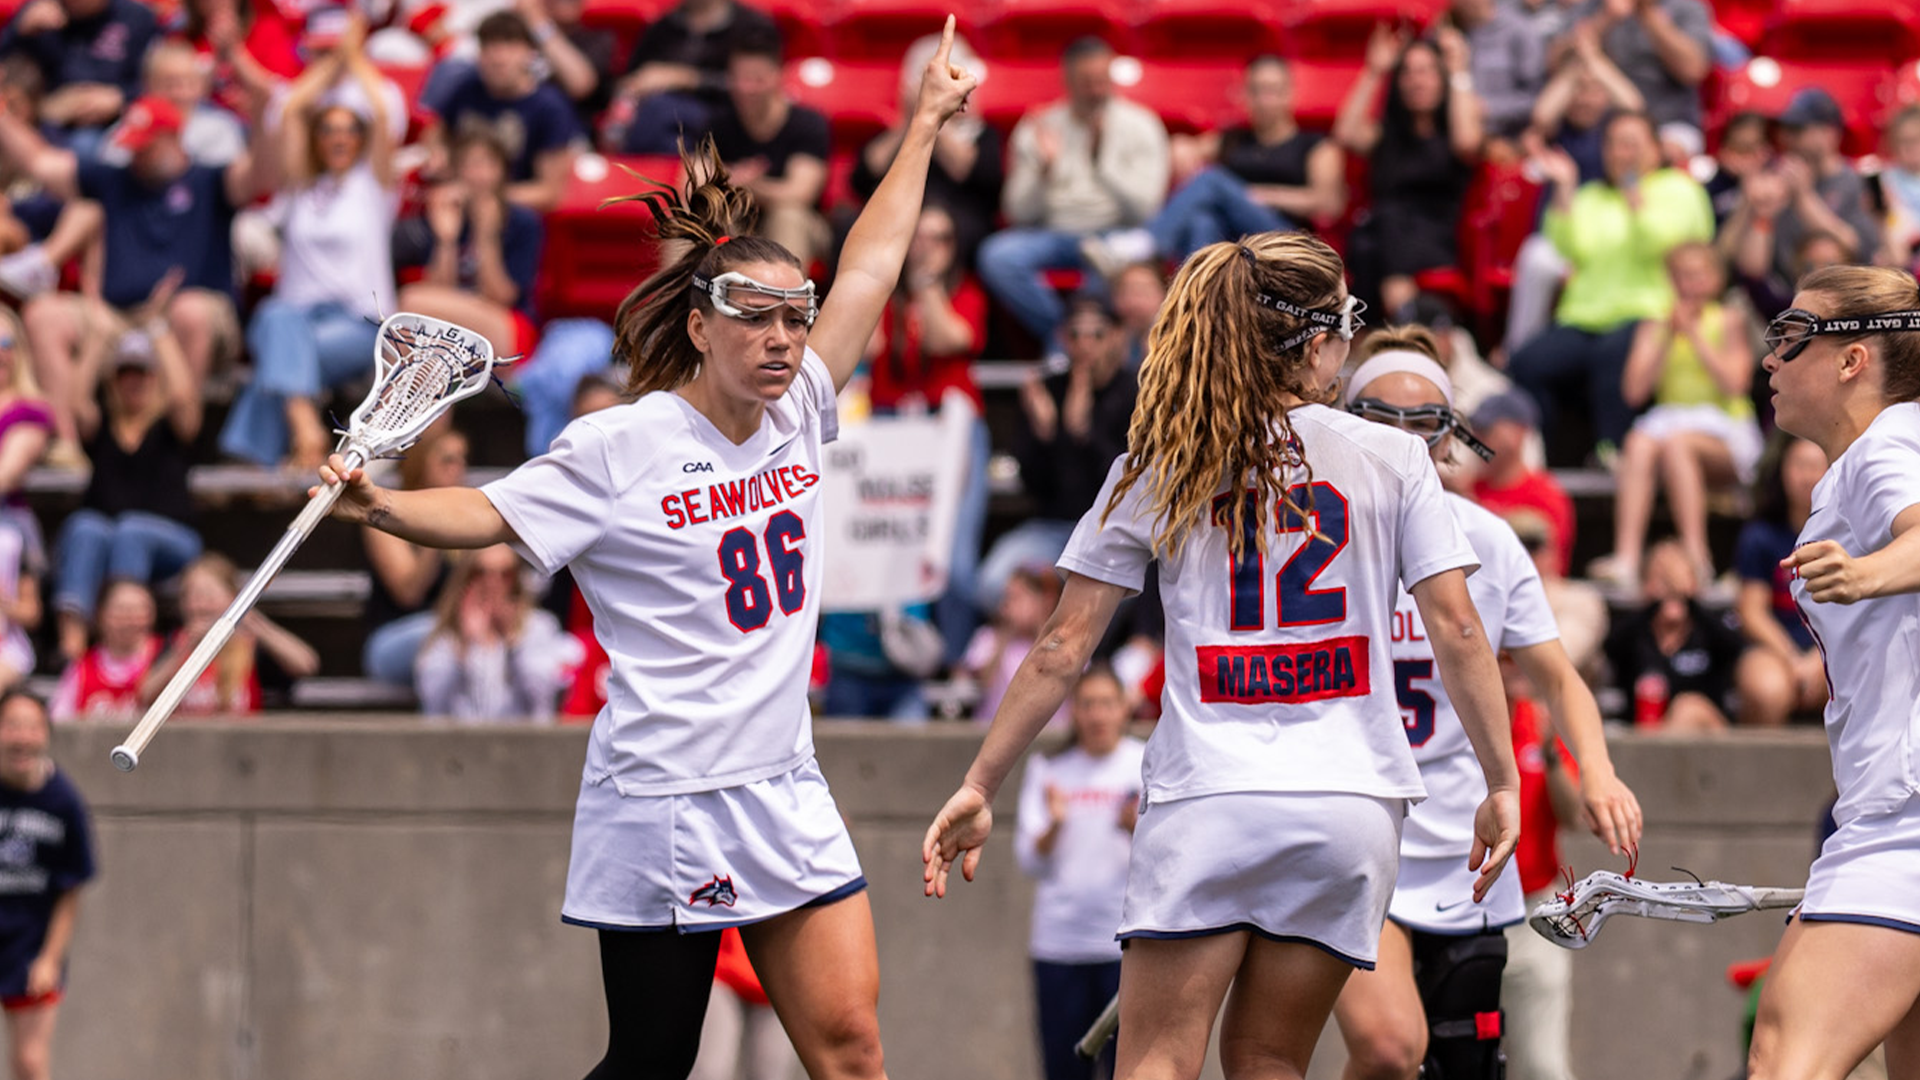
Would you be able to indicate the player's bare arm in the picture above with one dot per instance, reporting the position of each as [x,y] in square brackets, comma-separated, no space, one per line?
[1045,678]
[1609,807]
[453,517]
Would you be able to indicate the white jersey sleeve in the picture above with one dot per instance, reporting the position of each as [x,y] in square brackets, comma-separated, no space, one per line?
[560,503]
[813,392]
[1871,648]
[1884,481]
[1118,551]
[1430,539]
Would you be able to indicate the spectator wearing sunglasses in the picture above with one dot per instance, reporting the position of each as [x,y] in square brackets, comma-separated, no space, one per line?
[1075,425]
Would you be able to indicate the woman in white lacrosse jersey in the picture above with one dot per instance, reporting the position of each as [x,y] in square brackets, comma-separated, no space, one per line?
[1844,367]
[685,518]
[1275,783]
[1435,995]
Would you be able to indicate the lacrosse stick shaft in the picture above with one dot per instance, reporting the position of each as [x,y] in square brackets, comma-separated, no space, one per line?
[127,755]
[1104,1025]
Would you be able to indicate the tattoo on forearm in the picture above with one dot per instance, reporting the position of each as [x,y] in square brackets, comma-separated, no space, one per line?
[378,513]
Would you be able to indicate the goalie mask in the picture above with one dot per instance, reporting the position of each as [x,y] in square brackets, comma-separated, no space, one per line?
[738,296]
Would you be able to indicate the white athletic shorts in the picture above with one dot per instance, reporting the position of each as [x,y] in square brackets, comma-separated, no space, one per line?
[710,859]
[1742,436]
[1869,872]
[1312,867]
[1436,895]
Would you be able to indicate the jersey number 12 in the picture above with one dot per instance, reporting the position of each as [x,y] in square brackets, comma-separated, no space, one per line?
[1300,604]
[749,601]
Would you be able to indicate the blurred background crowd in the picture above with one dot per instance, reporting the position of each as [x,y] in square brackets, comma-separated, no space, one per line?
[1593,205]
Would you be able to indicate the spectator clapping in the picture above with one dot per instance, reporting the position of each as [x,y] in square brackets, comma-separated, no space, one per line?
[492,655]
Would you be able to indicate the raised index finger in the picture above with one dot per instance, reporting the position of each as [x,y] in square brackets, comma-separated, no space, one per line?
[946,43]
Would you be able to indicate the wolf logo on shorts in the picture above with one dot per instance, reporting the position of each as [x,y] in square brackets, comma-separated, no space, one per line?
[717,893]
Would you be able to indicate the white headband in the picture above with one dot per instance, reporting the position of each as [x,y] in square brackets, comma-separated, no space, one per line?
[1400,361]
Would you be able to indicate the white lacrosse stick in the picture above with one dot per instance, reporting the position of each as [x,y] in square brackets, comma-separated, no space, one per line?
[421,367]
[1573,918]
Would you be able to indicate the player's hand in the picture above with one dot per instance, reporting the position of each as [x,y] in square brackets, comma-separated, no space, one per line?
[1496,828]
[1832,575]
[958,831]
[1612,812]
[944,87]
[357,503]
[43,976]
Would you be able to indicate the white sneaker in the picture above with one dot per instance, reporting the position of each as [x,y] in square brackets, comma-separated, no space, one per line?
[1110,253]
[28,272]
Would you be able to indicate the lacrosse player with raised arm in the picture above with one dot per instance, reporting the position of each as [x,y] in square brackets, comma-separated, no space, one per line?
[687,519]
[1844,367]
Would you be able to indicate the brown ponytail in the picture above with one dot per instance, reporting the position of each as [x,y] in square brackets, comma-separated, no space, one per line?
[704,230]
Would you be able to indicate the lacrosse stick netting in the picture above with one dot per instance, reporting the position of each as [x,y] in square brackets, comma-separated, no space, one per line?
[1573,918]
[421,367]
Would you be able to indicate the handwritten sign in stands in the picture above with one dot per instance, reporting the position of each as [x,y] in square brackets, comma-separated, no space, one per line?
[892,492]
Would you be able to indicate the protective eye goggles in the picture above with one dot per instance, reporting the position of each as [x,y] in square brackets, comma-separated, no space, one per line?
[1430,422]
[1346,322]
[1791,331]
[728,293]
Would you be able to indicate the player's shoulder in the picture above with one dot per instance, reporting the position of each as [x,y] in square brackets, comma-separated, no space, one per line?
[1379,444]
[630,436]
[1896,432]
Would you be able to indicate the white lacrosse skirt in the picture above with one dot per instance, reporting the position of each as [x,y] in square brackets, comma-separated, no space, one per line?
[1309,867]
[1869,872]
[1436,896]
[709,859]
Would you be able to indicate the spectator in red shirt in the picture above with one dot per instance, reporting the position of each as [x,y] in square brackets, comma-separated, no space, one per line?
[104,683]
[252,47]
[1508,483]
[931,332]
[1537,986]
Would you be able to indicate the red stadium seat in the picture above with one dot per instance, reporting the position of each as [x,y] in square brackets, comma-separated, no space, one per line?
[1865,92]
[1010,89]
[1498,217]
[879,31]
[595,256]
[626,18]
[802,24]
[1032,30]
[1744,19]
[1224,31]
[1843,31]
[1337,30]
[859,99]
[1189,97]
[1318,89]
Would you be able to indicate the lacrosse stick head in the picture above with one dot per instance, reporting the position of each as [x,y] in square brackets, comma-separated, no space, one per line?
[1573,918]
[422,366]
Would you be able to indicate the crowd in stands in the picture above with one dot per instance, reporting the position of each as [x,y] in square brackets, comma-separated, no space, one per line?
[215,199]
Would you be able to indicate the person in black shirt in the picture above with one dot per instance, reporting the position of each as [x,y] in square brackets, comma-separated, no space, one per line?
[968,163]
[1262,176]
[677,76]
[135,521]
[1674,656]
[46,855]
[774,148]
[1076,425]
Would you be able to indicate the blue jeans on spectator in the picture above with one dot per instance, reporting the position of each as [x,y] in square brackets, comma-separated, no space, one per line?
[1034,543]
[1013,266]
[1566,364]
[94,548]
[661,121]
[855,696]
[1069,999]
[569,350]
[1211,207]
[388,654]
[296,352]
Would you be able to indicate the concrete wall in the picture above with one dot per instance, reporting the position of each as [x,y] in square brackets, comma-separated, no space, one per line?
[299,899]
